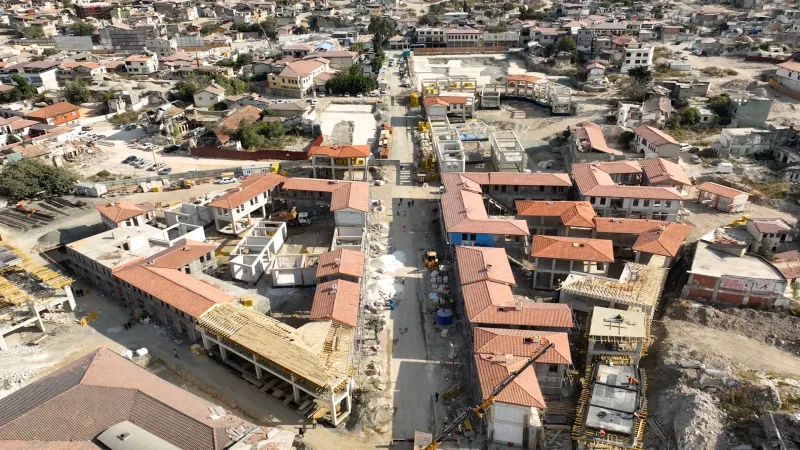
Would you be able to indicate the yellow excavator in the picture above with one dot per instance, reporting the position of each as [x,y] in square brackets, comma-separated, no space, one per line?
[480,410]
[431,260]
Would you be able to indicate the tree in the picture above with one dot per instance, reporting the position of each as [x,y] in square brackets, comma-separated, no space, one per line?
[186,88]
[358,47]
[687,116]
[721,105]
[261,135]
[81,28]
[351,81]
[430,20]
[567,44]
[77,92]
[380,57]
[29,178]
[641,75]
[508,6]
[244,59]
[49,52]
[23,85]
[382,28]
[219,106]
[269,27]
[765,249]
[501,27]
[33,33]
[625,138]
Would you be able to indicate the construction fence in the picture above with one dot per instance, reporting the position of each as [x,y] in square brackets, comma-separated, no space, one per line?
[458,50]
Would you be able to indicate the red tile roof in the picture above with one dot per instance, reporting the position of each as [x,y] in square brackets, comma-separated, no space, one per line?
[341,262]
[487,302]
[251,187]
[504,341]
[175,288]
[119,211]
[53,110]
[654,135]
[619,167]
[228,126]
[788,263]
[662,171]
[791,65]
[519,179]
[341,151]
[455,181]
[344,194]
[339,304]
[572,248]
[523,391]
[524,78]
[664,240]
[573,214]
[775,225]
[594,134]
[463,212]
[718,189]
[483,264]
[71,406]
[626,226]
[592,181]
[447,100]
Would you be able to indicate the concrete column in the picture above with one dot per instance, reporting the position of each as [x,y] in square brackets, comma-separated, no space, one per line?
[334,418]
[3,345]
[204,337]
[349,398]
[295,390]
[39,323]
[638,353]
[259,374]
[70,298]
[223,352]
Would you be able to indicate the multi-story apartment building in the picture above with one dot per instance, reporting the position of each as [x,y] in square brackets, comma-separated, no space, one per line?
[161,46]
[68,71]
[636,54]
[127,39]
[232,211]
[777,232]
[463,37]
[62,113]
[788,76]
[509,38]
[297,79]
[141,64]
[123,214]
[557,218]
[43,75]
[431,36]
[654,143]
[555,257]
[506,188]
[611,200]
[665,173]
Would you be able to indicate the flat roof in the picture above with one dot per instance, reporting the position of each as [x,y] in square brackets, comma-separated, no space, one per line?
[716,263]
[107,248]
[605,322]
[613,401]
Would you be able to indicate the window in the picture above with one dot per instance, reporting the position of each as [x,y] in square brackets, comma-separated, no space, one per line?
[473,237]
[464,236]
[592,199]
[603,200]
[552,368]
[636,202]
[647,203]
[667,203]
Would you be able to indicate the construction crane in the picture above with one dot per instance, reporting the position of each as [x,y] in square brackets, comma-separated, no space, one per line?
[480,410]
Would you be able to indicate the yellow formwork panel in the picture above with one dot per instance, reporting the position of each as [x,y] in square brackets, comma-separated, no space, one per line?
[51,278]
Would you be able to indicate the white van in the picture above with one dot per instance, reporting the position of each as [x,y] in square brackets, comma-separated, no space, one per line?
[725,167]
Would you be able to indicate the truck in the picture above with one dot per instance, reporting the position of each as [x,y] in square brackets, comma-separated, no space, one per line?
[291,217]
[182,184]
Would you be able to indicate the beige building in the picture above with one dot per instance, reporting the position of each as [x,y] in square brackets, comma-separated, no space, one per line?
[297,79]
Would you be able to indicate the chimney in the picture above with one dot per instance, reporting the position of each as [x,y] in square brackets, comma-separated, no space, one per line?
[337,261]
[488,267]
[333,288]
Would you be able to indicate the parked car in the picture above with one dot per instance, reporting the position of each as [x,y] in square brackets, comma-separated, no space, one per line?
[142,163]
[384,92]
[86,128]
[685,147]
[171,148]
[156,166]
[165,171]
[359,95]
[226,180]
[375,93]
[129,159]
[315,102]
[347,94]
[146,164]
[128,127]
[696,159]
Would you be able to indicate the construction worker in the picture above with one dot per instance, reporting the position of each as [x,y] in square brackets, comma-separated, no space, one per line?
[436,397]
[446,421]
[404,280]
[633,381]
[313,423]
[602,433]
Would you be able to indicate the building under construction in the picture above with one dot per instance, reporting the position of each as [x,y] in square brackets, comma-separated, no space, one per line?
[555,97]
[26,290]
[309,368]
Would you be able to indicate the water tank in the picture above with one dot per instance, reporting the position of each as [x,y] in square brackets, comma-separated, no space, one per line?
[444,317]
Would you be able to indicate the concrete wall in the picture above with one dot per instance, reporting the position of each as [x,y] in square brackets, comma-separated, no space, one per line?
[508,423]
[350,217]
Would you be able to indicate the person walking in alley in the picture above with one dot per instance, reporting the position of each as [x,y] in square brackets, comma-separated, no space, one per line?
[400,202]
[412,202]
[302,432]
[436,395]
[175,352]
[314,423]
[409,203]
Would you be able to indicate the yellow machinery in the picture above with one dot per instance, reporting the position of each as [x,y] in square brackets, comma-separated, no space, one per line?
[423,126]
[275,168]
[414,100]
[741,222]
[481,409]
[183,184]
[431,260]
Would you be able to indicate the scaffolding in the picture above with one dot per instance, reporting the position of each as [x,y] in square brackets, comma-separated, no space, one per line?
[590,431]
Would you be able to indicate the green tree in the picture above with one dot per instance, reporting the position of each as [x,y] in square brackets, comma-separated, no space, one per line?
[382,28]
[687,116]
[351,81]
[721,105]
[81,28]
[33,33]
[430,20]
[208,28]
[219,106]
[244,59]
[23,85]
[765,250]
[186,88]
[567,44]
[261,135]
[49,52]
[270,27]
[380,58]
[29,177]
[625,138]
[77,92]
[641,75]
[508,6]
[358,47]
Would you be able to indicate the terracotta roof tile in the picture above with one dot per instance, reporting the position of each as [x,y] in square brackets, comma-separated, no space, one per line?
[524,78]
[341,151]
[463,212]
[251,187]
[455,181]
[523,391]
[344,194]
[504,341]
[720,190]
[228,126]
[53,111]
[664,240]
[626,226]
[594,135]
[788,263]
[654,135]
[339,304]
[175,288]
[775,225]
[341,261]
[519,179]
[74,404]
[119,211]
[662,171]
[619,167]
[572,214]
[483,264]
[487,302]
[592,181]
[572,248]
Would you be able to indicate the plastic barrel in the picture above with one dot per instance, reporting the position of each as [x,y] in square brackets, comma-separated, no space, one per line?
[444,317]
